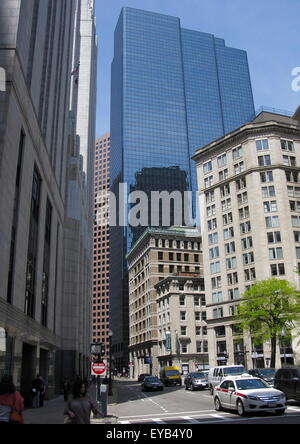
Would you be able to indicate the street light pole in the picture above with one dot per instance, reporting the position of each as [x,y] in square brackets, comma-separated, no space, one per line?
[110,392]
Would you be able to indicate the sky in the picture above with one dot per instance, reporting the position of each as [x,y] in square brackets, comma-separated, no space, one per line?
[267,29]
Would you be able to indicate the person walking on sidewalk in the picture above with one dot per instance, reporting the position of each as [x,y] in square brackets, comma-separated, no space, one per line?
[78,411]
[11,403]
[66,389]
[38,392]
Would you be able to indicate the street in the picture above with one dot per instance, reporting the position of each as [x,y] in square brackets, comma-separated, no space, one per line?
[175,405]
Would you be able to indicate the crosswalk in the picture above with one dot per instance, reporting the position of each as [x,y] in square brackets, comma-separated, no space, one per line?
[196,418]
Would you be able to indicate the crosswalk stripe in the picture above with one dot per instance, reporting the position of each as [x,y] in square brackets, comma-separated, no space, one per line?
[191,420]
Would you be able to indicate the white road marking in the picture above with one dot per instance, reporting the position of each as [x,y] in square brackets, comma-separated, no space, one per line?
[189,419]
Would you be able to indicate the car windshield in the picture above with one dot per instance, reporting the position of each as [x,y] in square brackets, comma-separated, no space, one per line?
[152,379]
[172,373]
[250,384]
[198,375]
[267,372]
[234,371]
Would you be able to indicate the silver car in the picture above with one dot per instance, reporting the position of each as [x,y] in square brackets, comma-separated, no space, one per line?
[247,394]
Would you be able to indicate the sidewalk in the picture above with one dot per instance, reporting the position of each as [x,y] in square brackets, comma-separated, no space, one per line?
[53,411]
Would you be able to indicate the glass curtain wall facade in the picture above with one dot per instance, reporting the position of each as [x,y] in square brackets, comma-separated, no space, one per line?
[173,90]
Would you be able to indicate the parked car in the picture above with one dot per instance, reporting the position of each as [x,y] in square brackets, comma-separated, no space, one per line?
[288,381]
[142,377]
[170,376]
[152,383]
[267,374]
[196,381]
[248,394]
[217,374]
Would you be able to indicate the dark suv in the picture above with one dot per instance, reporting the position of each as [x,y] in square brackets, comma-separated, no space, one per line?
[267,374]
[288,381]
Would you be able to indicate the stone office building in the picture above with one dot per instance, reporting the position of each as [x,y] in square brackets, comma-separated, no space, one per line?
[159,255]
[249,184]
[44,327]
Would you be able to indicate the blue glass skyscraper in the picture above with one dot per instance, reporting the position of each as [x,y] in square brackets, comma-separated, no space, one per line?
[173,91]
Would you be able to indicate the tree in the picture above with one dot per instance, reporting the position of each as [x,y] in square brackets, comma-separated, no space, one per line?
[268,308]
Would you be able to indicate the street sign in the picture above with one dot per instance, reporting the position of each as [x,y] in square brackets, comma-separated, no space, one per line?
[99,369]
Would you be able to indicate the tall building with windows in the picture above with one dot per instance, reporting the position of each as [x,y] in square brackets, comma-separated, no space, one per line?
[173,90]
[100,321]
[45,245]
[249,183]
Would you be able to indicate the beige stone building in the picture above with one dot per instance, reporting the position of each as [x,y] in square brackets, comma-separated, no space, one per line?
[249,185]
[157,255]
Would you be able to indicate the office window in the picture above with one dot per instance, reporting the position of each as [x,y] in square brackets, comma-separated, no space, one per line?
[247,243]
[242,198]
[222,160]
[262,145]
[272,221]
[217,297]
[244,213]
[275,253]
[241,183]
[223,175]
[245,227]
[211,210]
[231,263]
[232,278]
[237,153]
[277,270]
[250,274]
[225,190]
[268,191]
[182,300]
[289,160]
[292,176]
[293,191]
[233,293]
[215,267]
[183,330]
[217,313]
[216,282]
[212,224]
[287,145]
[296,221]
[214,253]
[227,219]
[208,181]
[207,167]
[295,206]
[210,196]
[274,237]
[266,176]
[228,233]
[226,204]
[297,236]
[213,238]
[239,168]
[183,315]
[270,206]
[229,248]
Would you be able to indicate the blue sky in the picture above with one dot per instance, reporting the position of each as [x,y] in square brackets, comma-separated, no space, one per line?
[267,29]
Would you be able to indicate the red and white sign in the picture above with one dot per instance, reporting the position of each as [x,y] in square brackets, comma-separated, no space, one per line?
[99,368]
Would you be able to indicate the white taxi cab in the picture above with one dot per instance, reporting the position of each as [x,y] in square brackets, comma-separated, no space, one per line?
[248,394]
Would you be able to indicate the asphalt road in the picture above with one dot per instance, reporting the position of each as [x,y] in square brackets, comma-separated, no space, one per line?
[175,405]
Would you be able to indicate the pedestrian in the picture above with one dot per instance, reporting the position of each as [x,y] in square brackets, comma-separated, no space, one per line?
[78,411]
[38,391]
[66,387]
[11,403]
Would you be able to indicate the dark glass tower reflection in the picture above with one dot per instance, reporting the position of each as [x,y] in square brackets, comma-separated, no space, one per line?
[173,90]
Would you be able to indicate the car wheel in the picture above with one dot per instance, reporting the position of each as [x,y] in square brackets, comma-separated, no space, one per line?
[218,405]
[240,408]
[280,412]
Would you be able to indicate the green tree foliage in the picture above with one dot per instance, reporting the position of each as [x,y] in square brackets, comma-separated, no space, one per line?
[267,309]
